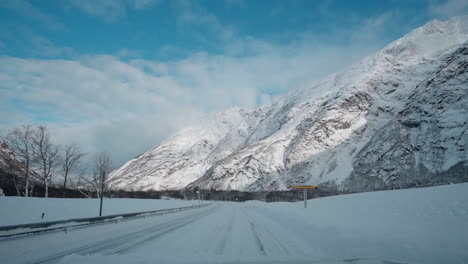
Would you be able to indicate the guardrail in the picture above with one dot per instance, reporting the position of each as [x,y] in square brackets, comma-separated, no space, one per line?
[88,221]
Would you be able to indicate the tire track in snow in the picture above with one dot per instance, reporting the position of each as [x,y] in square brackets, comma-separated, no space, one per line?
[253,230]
[268,241]
[257,239]
[277,241]
[227,235]
[154,233]
[105,245]
[294,242]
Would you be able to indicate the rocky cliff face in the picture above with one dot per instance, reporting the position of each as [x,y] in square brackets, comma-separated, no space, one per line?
[395,120]
[426,143]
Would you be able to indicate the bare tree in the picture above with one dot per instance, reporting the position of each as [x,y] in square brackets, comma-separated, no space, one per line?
[84,183]
[89,184]
[20,142]
[70,162]
[46,156]
[10,160]
[102,164]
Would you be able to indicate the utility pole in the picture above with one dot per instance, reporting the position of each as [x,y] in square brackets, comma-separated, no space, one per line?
[103,177]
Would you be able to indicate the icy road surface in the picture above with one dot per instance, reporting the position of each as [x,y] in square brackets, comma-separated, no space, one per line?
[408,226]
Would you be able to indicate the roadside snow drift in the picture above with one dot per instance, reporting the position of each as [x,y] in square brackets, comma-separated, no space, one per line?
[20,210]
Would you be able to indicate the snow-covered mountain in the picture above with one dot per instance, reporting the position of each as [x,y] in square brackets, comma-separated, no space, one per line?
[396,119]
[12,172]
[8,161]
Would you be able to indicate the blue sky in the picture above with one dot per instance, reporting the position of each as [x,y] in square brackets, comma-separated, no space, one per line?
[122,75]
[167,30]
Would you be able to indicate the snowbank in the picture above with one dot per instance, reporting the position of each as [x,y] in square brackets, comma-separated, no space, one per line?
[21,210]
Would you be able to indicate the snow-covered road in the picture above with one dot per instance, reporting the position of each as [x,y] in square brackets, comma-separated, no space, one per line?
[407,226]
[228,232]
[111,238]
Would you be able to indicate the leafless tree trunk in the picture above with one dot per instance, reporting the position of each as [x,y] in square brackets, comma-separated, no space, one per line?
[71,160]
[102,164]
[31,188]
[10,160]
[86,192]
[46,156]
[88,185]
[80,182]
[20,142]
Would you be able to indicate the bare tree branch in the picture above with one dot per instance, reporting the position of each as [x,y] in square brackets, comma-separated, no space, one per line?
[102,164]
[90,184]
[46,156]
[87,186]
[11,161]
[70,162]
[20,142]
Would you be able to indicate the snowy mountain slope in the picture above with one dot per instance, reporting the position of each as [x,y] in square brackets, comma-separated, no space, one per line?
[12,172]
[188,154]
[427,142]
[331,132]
[9,163]
[5,155]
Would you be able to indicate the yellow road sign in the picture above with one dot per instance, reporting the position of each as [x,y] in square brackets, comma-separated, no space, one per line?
[303,187]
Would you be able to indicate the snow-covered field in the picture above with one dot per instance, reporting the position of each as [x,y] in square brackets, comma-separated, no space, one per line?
[20,210]
[406,226]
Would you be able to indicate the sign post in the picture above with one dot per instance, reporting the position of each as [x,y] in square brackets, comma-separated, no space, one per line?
[304,188]
[102,191]
[305,198]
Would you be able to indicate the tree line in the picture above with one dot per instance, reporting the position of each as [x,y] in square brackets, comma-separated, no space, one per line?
[36,158]
[36,164]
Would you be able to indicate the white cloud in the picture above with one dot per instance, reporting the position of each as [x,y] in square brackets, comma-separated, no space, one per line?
[142,4]
[23,37]
[110,10]
[129,53]
[98,101]
[374,27]
[449,8]
[192,14]
[25,9]
[276,10]
[235,3]
[45,47]
[103,103]
[126,107]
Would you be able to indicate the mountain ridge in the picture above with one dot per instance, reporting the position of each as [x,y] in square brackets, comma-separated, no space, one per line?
[308,136]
